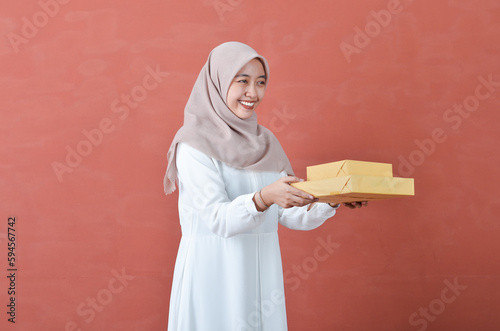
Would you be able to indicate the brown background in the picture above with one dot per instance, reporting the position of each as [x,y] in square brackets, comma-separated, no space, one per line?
[393,92]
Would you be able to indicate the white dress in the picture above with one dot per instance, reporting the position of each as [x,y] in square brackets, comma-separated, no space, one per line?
[228,274]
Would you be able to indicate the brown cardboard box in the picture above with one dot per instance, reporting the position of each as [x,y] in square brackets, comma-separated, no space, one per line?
[348,181]
[348,167]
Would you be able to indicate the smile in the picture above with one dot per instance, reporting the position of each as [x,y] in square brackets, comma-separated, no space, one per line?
[247,104]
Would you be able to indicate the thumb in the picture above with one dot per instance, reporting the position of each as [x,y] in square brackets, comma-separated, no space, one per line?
[292,179]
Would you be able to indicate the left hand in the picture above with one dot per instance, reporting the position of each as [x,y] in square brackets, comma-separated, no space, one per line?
[356,204]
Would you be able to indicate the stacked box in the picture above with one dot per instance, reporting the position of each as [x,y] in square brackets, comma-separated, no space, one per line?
[348,167]
[349,180]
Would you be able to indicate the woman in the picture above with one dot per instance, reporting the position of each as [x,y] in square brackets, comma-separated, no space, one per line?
[233,179]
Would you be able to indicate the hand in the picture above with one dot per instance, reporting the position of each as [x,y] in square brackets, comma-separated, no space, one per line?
[356,204]
[283,194]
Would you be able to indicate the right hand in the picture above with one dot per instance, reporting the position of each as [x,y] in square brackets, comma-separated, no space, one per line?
[356,204]
[283,194]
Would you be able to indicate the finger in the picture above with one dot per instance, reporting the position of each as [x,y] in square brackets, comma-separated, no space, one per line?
[301,194]
[292,179]
[349,205]
[299,202]
[297,192]
[295,197]
[360,204]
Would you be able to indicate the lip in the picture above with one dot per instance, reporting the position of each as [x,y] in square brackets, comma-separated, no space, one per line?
[245,106]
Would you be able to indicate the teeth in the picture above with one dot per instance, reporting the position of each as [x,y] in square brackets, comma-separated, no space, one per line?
[249,104]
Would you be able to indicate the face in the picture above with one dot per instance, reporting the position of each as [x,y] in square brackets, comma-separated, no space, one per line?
[247,89]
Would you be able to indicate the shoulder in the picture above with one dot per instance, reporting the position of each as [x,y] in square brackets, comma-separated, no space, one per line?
[186,155]
[186,149]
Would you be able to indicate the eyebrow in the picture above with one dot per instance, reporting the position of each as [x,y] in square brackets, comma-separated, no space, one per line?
[245,75]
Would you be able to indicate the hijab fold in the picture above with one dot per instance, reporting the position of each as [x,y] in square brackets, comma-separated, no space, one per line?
[212,128]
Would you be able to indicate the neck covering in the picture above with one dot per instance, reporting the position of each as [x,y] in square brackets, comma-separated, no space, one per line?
[212,128]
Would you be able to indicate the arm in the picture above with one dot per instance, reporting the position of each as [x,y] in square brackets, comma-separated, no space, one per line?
[299,209]
[306,217]
[203,189]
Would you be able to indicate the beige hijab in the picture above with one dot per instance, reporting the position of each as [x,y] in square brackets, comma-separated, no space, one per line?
[211,127]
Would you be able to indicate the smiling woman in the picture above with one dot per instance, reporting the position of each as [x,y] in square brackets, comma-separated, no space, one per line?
[247,89]
[228,265]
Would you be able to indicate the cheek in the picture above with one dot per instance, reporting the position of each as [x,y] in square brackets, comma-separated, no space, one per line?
[262,92]
[232,96]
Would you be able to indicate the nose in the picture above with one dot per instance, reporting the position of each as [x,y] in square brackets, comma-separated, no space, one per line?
[251,91]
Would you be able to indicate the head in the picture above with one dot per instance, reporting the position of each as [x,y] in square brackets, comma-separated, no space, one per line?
[240,76]
[247,89]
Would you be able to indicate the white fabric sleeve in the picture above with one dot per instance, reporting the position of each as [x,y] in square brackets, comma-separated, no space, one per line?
[299,218]
[204,190]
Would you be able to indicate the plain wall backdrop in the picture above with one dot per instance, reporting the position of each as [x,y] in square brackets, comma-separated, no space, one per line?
[92,93]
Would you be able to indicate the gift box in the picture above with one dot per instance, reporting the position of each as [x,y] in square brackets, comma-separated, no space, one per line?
[348,181]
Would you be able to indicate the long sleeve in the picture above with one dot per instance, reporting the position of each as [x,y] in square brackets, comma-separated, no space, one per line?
[299,218]
[202,192]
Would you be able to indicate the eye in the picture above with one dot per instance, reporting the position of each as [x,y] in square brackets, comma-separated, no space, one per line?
[262,82]
[244,81]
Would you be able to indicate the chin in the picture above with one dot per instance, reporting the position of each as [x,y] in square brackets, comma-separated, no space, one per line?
[243,113]
[244,116]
